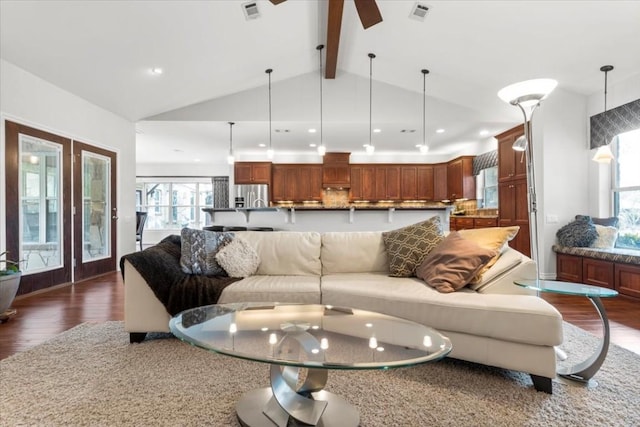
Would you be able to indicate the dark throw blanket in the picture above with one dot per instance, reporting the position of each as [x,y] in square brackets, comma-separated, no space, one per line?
[159,266]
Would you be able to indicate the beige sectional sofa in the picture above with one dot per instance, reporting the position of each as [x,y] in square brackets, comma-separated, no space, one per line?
[496,323]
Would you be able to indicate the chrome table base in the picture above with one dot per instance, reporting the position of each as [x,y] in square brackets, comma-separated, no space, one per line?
[582,373]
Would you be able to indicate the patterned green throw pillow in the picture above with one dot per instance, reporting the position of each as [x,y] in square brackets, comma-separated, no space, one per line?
[408,246]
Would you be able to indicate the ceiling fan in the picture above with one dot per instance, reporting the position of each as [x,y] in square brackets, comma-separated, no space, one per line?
[369,16]
[367,10]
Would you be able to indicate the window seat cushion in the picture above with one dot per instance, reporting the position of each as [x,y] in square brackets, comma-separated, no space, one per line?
[626,256]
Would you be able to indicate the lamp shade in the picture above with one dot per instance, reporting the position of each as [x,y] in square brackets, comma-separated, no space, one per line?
[520,144]
[527,93]
[603,154]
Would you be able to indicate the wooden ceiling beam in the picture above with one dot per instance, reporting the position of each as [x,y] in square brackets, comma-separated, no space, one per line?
[334,25]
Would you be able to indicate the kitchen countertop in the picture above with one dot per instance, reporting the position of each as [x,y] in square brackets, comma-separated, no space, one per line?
[475,216]
[328,208]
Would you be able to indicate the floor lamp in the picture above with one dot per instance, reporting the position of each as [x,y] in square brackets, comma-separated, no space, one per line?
[527,96]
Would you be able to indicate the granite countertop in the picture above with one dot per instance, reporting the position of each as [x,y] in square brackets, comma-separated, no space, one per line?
[475,216]
[327,208]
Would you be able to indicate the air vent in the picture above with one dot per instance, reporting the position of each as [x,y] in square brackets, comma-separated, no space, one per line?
[419,11]
[250,10]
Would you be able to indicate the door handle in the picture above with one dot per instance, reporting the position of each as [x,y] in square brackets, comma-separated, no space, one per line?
[114,217]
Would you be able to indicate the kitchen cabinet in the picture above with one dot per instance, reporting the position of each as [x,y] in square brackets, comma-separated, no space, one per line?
[514,210]
[464,222]
[513,205]
[440,182]
[296,182]
[363,182]
[252,173]
[336,171]
[461,183]
[416,182]
[387,185]
[511,163]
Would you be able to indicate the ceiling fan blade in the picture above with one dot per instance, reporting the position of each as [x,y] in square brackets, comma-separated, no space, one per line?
[368,12]
[277,1]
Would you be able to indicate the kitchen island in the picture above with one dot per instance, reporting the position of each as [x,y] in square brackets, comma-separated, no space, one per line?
[321,218]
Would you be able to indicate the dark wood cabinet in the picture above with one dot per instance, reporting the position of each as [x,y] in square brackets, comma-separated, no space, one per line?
[513,205]
[296,183]
[336,171]
[252,173]
[624,278]
[387,185]
[440,182]
[416,182]
[464,223]
[461,183]
[511,163]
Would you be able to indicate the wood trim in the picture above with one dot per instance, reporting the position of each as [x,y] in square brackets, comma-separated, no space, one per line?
[37,281]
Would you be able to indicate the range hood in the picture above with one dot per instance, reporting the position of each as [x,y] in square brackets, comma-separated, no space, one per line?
[336,172]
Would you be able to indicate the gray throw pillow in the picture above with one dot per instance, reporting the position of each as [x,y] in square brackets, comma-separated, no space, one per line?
[579,233]
[199,249]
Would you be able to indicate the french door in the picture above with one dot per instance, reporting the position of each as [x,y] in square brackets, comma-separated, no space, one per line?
[42,230]
[95,211]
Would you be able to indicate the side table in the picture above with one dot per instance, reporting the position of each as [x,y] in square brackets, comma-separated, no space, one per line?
[582,372]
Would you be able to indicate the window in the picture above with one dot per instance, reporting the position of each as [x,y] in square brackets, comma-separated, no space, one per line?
[491,187]
[626,191]
[175,203]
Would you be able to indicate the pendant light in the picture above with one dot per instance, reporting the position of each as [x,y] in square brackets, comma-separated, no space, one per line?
[230,158]
[321,148]
[604,154]
[270,149]
[370,147]
[424,148]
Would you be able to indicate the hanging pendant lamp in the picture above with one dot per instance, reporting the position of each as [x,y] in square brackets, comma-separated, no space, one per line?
[270,149]
[370,148]
[604,154]
[230,158]
[321,148]
[424,148]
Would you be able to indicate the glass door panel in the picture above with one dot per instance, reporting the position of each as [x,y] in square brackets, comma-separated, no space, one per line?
[40,175]
[96,224]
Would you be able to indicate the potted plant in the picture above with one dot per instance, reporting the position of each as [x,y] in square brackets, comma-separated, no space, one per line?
[9,282]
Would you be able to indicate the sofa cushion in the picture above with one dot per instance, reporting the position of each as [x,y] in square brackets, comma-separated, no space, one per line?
[353,252]
[518,318]
[607,222]
[292,289]
[199,249]
[408,246]
[286,253]
[238,258]
[452,264]
[509,259]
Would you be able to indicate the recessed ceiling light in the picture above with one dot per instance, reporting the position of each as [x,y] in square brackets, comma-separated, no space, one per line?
[377,130]
[262,145]
[196,160]
[440,130]
[156,71]
[312,145]
[312,131]
[484,132]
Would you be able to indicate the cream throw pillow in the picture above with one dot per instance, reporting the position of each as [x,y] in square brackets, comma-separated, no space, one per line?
[607,237]
[238,258]
[493,238]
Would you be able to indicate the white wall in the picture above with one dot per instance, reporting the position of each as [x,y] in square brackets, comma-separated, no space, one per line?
[561,175]
[29,100]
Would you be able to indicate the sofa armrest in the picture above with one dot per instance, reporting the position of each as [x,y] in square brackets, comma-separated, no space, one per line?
[143,312]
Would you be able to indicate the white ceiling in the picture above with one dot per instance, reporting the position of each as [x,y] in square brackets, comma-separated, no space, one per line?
[102,51]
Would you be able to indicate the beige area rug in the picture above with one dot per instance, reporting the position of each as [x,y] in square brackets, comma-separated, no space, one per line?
[91,376]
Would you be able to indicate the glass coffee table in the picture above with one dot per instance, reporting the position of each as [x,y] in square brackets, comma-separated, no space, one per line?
[295,337]
[582,372]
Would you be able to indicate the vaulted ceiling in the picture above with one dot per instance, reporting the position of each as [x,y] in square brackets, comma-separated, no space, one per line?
[214,60]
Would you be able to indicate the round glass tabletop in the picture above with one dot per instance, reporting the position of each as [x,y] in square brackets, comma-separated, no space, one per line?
[311,336]
[566,288]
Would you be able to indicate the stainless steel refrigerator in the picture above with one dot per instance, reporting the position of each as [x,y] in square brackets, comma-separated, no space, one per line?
[251,196]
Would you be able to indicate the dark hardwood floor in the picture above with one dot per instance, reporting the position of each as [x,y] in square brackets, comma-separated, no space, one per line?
[43,315]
